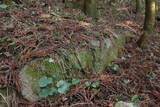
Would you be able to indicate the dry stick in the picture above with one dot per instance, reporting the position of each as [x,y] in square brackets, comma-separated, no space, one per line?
[126,26]
[4,99]
[79,62]
[80,104]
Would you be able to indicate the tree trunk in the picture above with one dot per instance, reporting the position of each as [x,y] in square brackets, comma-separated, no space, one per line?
[149,22]
[156,6]
[157,10]
[90,8]
[150,14]
[138,6]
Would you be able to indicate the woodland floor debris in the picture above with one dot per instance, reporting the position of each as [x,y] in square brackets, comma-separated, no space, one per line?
[139,69]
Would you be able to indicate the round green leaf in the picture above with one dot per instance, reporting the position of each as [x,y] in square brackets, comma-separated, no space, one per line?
[47,91]
[3,6]
[87,83]
[44,81]
[53,91]
[44,93]
[75,81]
[95,84]
[63,86]
[134,98]
[115,67]
[56,75]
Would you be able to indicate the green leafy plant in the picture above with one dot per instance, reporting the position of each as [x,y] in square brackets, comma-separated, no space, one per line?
[75,81]
[8,54]
[92,84]
[115,67]
[87,84]
[63,86]
[3,6]
[95,84]
[47,92]
[10,26]
[44,81]
[56,75]
[12,43]
[134,98]
[79,17]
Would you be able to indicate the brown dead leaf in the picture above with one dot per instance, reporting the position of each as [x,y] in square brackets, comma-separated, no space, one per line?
[35,53]
[45,27]
[45,15]
[82,37]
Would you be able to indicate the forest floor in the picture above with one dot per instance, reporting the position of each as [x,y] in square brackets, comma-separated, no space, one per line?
[137,78]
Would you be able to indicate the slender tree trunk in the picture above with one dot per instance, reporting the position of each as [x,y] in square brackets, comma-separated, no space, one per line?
[90,8]
[87,6]
[150,14]
[149,22]
[157,10]
[157,7]
[138,6]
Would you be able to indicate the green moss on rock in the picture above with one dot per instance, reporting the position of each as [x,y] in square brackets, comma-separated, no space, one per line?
[69,64]
[31,74]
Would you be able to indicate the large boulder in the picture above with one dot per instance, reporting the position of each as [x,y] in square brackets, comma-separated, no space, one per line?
[68,64]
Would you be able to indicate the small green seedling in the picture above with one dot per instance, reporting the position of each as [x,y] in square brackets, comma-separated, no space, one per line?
[134,98]
[56,75]
[12,43]
[92,84]
[95,84]
[8,54]
[115,67]
[87,84]
[75,81]
[79,17]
